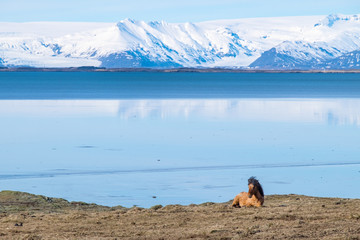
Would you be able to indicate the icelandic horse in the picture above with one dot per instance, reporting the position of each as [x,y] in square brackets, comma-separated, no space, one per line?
[255,196]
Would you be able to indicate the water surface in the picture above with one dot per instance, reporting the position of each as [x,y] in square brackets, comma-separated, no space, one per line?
[201,144]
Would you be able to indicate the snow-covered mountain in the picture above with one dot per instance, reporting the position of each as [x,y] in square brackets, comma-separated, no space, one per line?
[314,42]
[346,61]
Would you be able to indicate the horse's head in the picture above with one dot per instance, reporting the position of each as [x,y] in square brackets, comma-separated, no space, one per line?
[252,190]
[254,187]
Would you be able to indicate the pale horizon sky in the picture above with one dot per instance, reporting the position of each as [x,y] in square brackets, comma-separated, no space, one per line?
[167,10]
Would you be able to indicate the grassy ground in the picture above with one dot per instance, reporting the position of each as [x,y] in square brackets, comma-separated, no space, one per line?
[27,216]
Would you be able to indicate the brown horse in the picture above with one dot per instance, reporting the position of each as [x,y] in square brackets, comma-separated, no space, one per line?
[255,196]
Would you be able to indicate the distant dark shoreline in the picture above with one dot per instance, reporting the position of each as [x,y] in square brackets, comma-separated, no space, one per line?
[167,70]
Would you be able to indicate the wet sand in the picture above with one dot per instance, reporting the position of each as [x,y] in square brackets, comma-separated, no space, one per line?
[27,216]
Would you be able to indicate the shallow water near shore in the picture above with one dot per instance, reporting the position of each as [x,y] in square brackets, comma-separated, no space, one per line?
[146,147]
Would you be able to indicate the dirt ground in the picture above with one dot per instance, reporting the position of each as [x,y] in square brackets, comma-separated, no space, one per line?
[27,216]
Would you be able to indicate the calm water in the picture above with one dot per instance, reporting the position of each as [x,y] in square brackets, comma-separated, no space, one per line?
[126,138]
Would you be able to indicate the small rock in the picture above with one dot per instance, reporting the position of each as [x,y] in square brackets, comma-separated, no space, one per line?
[18,224]
[156,207]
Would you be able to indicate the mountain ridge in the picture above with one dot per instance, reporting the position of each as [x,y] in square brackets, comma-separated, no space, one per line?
[304,43]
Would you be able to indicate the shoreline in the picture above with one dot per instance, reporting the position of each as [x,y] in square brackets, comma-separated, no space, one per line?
[28,216]
[173,70]
[17,201]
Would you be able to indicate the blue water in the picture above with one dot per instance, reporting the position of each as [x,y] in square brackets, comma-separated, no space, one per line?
[126,138]
[144,85]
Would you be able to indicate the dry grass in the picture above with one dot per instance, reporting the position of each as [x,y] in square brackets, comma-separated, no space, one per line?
[25,216]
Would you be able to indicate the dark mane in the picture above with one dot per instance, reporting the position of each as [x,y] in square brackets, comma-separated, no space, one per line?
[255,182]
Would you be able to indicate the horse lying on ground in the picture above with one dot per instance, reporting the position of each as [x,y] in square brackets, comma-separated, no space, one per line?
[255,196]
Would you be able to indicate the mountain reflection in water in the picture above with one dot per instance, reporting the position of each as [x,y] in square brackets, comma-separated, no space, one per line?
[181,150]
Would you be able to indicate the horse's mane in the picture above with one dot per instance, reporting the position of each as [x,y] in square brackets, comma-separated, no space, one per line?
[255,182]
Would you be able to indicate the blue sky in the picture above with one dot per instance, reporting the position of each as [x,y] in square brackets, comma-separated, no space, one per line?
[168,10]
